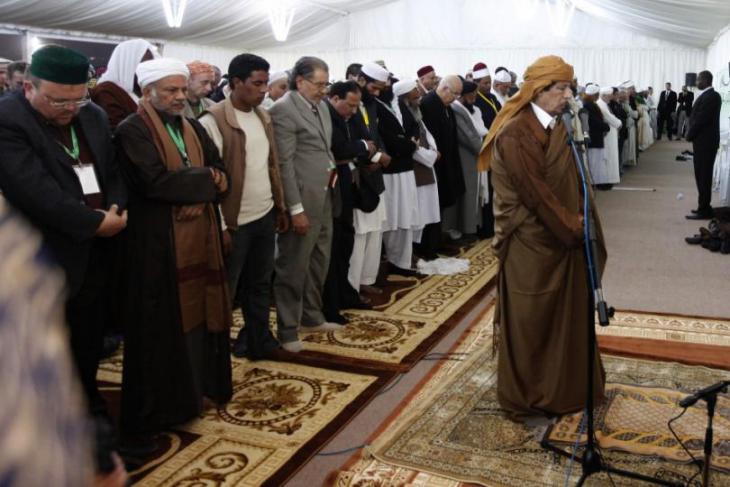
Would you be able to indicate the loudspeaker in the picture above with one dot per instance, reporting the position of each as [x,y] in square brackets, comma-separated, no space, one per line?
[690,79]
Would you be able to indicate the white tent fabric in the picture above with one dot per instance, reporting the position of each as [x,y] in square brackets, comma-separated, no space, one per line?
[497,33]
[608,41]
[242,24]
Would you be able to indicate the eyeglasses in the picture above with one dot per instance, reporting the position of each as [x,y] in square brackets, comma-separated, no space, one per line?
[64,103]
[320,86]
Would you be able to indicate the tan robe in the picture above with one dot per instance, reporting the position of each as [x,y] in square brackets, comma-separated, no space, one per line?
[543,291]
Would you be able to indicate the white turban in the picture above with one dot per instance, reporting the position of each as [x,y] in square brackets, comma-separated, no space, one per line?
[502,77]
[124,61]
[403,86]
[156,69]
[627,84]
[592,89]
[607,90]
[375,71]
[278,75]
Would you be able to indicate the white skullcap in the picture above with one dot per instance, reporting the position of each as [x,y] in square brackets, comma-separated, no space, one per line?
[404,86]
[592,89]
[156,69]
[502,77]
[606,90]
[5,61]
[627,84]
[278,75]
[375,71]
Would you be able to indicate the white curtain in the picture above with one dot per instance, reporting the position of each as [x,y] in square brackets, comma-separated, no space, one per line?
[718,57]
[455,35]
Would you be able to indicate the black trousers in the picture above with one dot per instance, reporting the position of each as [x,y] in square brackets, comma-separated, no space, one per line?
[661,119]
[250,266]
[704,162]
[430,241]
[338,294]
[487,226]
[85,314]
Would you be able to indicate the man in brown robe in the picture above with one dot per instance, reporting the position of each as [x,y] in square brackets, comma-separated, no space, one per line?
[176,349]
[543,289]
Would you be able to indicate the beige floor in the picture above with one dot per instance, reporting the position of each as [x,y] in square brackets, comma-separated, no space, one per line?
[650,268]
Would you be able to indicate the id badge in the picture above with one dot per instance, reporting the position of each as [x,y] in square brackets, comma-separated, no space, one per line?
[87,178]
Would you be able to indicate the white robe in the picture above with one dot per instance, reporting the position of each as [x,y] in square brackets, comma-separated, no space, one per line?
[646,135]
[607,171]
[629,149]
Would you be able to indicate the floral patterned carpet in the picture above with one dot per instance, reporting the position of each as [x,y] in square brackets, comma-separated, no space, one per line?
[451,432]
[282,413]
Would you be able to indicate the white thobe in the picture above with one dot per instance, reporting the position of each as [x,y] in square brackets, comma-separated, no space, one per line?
[607,171]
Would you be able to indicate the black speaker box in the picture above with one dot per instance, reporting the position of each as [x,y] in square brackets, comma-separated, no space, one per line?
[690,79]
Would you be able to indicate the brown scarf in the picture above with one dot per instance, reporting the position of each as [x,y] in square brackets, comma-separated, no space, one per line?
[202,289]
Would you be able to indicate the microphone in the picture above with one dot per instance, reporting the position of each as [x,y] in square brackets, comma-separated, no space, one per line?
[701,394]
[568,122]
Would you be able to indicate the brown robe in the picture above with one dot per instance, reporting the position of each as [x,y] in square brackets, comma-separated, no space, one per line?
[116,102]
[543,290]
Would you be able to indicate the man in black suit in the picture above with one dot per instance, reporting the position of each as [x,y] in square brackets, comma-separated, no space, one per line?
[58,168]
[684,110]
[667,106]
[704,133]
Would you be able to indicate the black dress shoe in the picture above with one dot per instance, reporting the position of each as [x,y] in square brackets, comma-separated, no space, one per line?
[695,240]
[335,318]
[699,216]
[725,247]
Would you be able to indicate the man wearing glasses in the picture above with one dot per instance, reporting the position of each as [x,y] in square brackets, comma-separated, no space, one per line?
[303,129]
[58,170]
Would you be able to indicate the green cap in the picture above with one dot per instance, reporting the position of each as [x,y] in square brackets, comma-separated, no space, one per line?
[60,64]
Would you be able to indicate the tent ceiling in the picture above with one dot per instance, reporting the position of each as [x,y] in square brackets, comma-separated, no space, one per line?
[691,22]
[243,23]
[228,23]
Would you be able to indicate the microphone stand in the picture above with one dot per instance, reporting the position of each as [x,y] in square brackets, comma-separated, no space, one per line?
[591,460]
[709,395]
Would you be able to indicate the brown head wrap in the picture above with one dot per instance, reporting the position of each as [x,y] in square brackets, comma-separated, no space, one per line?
[538,76]
[197,67]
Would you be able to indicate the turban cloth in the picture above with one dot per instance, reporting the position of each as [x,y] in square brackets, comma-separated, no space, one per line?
[198,67]
[403,87]
[156,69]
[538,76]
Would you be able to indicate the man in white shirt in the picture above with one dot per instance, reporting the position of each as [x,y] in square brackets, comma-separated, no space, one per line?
[253,210]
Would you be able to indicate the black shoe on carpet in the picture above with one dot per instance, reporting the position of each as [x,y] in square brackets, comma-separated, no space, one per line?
[699,216]
[111,345]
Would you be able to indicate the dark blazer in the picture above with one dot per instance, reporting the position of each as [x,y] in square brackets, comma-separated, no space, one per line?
[397,141]
[618,110]
[441,122]
[37,177]
[684,102]
[597,127]
[667,104]
[704,123]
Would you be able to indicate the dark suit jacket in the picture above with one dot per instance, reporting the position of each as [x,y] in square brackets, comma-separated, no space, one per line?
[684,102]
[441,122]
[667,104]
[704,123]
[621,114]
[37,177]
[597,127]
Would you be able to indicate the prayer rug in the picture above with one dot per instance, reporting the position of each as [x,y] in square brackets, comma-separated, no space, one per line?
[280,415]
[413,315]
[451,430]
[634,419]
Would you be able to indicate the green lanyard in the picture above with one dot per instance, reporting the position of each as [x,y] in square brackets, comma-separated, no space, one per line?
[179,142]
[74,152]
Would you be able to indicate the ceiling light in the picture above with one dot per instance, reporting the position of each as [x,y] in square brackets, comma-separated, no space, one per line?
[281,15]
[174,10]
